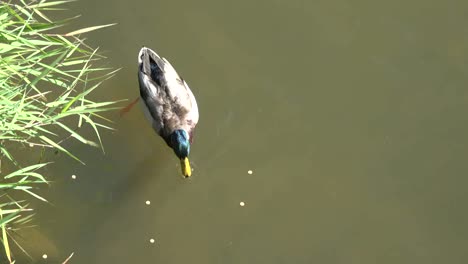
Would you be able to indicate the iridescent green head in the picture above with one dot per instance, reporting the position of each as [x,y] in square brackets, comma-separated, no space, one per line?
[180,143]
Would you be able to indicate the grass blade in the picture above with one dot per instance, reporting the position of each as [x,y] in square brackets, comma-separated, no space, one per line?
[57,146]
[88,29]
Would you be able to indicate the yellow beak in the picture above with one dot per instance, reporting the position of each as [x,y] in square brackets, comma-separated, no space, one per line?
[186,169]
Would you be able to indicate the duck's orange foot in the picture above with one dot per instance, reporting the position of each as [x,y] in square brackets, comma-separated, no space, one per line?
[127,108]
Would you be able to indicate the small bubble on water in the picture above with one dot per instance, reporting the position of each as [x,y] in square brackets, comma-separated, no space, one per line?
[44,256]
[249,171]
[152,240]
[241,203]
[148,202]
[74,176]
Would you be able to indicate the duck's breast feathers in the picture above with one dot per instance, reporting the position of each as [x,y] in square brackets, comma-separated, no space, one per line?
[161,84]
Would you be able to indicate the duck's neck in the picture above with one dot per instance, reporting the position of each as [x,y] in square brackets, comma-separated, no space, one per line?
[179,142]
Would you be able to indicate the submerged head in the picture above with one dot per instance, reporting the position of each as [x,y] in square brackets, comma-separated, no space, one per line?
[181,145]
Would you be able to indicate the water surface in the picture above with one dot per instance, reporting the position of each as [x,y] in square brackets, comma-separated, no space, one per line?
[350,114]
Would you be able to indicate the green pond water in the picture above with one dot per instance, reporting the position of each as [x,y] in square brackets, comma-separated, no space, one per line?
[351,115]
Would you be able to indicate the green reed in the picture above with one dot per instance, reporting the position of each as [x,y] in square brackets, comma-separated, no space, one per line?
[45,84]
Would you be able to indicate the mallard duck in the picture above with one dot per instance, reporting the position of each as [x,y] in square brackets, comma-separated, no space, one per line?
[169,104]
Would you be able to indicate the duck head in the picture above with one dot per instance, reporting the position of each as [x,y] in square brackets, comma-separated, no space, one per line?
[180,143]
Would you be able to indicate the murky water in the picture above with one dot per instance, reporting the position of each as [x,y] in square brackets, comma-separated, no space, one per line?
[352,116]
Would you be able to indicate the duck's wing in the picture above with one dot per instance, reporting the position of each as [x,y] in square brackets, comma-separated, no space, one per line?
[150,91]
[179,91]
[193,114]
[165,89]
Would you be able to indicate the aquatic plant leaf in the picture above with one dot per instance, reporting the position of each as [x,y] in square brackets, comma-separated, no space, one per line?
[57,146]
[88,29]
